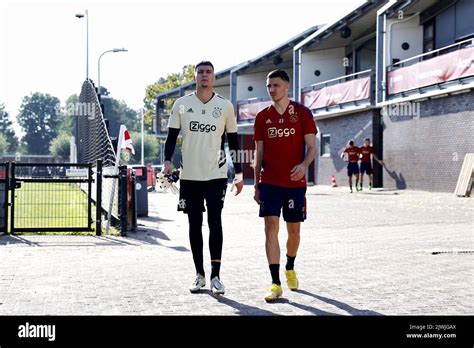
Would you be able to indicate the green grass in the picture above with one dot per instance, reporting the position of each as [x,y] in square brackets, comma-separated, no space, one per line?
[50,205]
[53,205]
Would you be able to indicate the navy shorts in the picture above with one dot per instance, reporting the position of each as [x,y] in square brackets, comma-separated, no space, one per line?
[273,198]
[366,167]
[352,168]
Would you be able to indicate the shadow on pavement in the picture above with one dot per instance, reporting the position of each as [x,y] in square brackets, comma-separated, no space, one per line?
[84,241]
[149,235]
[312,310]
[152,218]
[250,310]
[242,308]
[90,241]
[344,306]
[150,231]
[8,239]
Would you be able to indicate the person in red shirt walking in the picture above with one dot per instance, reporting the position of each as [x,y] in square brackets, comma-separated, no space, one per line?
[351,155]
[281,132]
[366,154]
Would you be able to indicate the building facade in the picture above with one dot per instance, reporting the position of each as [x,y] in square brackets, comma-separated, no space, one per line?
[399,72]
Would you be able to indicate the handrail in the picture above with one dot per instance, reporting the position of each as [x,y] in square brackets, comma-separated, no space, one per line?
[431,52]
[252,100]
[342,77]
[325,83]
[258,99]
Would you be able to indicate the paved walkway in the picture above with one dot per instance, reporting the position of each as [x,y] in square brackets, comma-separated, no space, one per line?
[370,253]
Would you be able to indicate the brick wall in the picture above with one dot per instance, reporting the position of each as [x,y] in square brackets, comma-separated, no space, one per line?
[426,152]
[357,126]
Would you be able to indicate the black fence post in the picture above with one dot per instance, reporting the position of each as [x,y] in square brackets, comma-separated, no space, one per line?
[98,199]
[89,195]
[6,201]
[123,200]
[134,202]
[12,185]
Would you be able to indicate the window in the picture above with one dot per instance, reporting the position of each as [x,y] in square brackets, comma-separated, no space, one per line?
[452,24]
[464,23]
[428,37]
[365,56]
[325,145]
[445,28]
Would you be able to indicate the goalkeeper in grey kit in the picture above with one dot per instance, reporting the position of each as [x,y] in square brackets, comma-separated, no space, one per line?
[204,117]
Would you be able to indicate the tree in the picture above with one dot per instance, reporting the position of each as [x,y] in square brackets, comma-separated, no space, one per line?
[3,145]
[67,115]
[117,113]
[150,145]
[6,128]
[162,85]
[61,145]
[40,121]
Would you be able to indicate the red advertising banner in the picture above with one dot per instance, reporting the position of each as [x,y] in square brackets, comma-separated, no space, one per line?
[357,89]
[248,112]
[447,67]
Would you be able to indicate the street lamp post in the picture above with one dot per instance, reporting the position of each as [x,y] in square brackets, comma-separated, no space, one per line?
[115,50]
[81,15]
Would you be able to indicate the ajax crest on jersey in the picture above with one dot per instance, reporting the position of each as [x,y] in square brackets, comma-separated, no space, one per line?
[294,118]
[217,112]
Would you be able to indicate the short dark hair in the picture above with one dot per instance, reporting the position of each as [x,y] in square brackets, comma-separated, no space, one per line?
[351,142]
[278,73]
[367,139]
[204,62]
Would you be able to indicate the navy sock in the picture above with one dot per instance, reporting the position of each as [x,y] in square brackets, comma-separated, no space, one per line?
[290,262]
[275,272]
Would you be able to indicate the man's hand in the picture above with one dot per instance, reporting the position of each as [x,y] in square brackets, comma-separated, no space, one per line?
[240,186]
[298,172]
[167,168]
[256,196]
[238,182]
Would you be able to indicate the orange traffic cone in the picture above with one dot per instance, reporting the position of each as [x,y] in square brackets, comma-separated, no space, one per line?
[333,181]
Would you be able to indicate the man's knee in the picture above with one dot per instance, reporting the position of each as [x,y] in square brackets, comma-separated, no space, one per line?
[271,228]
[293,233]
[293,229]
[272,223]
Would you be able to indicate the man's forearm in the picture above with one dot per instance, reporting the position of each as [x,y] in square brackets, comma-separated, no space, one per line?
[310,156]
[256,175]
[234,148]
[259,148]
[258,167]
[171,143]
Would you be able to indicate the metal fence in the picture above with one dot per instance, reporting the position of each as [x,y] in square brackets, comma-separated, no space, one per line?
[4,183]
[51,197]
[66,197]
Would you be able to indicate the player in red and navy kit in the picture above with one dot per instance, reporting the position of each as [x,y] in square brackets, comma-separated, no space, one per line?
[281,132]
[351,154]
[366,151]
